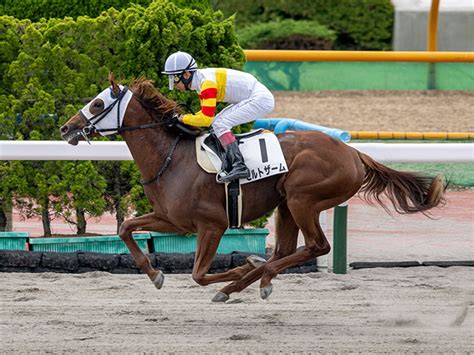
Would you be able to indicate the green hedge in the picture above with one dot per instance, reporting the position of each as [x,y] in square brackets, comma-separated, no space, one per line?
[287,34]
[359,24]
[37,9]
[48,67]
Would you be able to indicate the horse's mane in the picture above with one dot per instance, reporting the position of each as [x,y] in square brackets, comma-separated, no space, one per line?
[154,101]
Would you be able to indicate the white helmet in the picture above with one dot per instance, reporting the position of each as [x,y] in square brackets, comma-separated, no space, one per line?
[176,64]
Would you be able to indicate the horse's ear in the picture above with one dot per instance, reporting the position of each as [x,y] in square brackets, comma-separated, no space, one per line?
[113,84]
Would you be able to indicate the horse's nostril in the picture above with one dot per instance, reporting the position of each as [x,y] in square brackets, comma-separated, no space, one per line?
[64,129]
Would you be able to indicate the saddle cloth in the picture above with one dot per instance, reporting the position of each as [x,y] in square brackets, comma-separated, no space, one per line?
[261,151]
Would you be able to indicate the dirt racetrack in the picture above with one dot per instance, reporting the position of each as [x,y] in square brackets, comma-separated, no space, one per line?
[428,111]
[416,310]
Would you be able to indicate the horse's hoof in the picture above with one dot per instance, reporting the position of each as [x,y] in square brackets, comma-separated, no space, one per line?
[265,292]
[220,297]
[159,279]
[256,261]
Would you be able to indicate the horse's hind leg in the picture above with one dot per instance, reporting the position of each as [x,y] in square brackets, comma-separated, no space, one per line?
[316,244]
[207,243]
[286,241]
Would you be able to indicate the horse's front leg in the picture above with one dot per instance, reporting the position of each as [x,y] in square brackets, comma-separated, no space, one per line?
[146,222]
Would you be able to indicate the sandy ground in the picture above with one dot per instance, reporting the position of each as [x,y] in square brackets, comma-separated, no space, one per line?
[418,310]
[433,111]
[424,310]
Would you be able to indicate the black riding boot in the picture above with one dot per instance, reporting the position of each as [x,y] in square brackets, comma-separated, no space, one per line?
[235,158]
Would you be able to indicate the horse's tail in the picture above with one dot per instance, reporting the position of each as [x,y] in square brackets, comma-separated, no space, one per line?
[409,192]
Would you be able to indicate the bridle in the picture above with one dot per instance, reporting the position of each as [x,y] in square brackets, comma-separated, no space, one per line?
[92,121]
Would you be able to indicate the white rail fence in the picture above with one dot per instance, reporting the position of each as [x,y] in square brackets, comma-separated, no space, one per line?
[382,152]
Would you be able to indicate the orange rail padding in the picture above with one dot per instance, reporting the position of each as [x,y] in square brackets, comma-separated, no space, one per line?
[412,135]
[356,56]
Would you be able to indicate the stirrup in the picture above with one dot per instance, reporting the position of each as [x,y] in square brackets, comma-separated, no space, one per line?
[228,177]
[220,177]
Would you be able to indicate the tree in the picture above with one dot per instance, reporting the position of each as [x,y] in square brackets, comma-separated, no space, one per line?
[359,24]
[49,67]
[80,192]
[119,183]
[39,81]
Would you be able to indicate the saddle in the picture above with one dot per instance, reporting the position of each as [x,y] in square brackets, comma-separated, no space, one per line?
[262,154]
[261,151]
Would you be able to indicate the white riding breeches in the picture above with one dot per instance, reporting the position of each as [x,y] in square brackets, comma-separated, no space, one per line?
[260,103]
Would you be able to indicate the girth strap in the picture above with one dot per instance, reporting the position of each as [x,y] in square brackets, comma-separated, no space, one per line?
[234,204]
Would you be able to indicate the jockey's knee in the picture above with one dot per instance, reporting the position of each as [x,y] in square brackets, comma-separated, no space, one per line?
[266,104]
[270,103]
[200,279]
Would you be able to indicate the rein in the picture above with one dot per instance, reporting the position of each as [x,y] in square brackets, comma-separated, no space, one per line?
[165,164]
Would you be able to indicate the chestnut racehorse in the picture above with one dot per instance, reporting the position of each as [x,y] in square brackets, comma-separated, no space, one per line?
[323,173]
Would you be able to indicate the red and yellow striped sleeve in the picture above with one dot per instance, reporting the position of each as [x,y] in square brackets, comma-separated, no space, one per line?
[208,97]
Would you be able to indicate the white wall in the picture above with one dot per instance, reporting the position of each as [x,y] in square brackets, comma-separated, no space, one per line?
[455,25]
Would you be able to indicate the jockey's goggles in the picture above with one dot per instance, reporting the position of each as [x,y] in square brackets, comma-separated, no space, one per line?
[173,80]
[176,78]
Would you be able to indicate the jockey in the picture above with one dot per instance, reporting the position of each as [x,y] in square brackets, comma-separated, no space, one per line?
[248,97]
